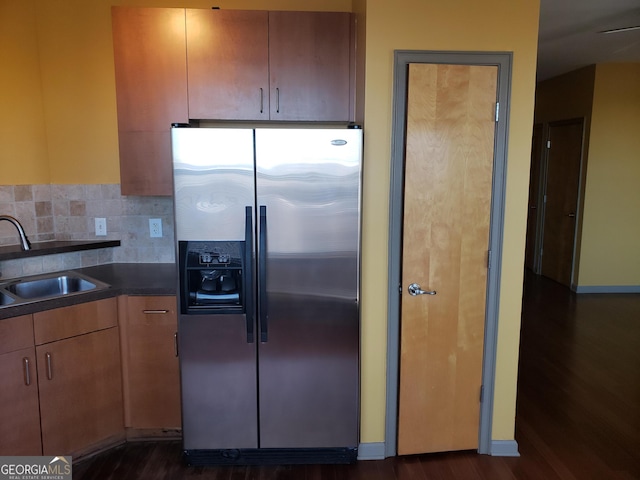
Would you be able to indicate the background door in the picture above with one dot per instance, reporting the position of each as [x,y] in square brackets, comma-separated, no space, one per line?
[447,205]
[561,199]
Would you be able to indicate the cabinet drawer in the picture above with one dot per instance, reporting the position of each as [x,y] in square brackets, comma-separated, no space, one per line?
[16,333]
[66,322]
[152,310]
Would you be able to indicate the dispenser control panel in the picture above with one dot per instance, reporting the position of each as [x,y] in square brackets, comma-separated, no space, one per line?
[211,277]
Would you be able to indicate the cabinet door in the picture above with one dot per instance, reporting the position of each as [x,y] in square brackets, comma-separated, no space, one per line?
[309,65]
[152,376]
[149,48]
[80,386]
[228,73]
[19,413]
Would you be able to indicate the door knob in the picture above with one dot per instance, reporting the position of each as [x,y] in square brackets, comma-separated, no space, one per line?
[414,289]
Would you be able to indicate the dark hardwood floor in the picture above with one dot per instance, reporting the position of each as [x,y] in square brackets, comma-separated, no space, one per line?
[578,410]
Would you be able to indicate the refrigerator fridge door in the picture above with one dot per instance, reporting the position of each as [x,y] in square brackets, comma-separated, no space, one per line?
[214,197]
[308,196]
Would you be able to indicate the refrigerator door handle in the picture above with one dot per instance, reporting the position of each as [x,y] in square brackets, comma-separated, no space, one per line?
[248,272]
[262,275]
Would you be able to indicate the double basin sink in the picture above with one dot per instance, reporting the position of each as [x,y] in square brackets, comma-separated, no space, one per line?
[46,287]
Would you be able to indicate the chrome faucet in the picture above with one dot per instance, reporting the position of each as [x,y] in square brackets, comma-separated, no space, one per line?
[24,241]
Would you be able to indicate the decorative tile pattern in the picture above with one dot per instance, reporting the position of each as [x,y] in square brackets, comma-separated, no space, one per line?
[68,212]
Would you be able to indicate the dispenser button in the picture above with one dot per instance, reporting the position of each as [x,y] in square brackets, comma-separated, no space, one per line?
[206,258]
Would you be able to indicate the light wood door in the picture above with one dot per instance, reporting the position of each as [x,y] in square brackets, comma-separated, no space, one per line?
[150,362]
[309,65]
[149,47]
[563,178]
[448,183]
[80,391]
[228,55]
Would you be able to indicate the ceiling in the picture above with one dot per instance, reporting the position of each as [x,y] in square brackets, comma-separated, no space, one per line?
[570,35]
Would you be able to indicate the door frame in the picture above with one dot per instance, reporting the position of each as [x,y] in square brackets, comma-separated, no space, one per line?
[536,236]
[503,60]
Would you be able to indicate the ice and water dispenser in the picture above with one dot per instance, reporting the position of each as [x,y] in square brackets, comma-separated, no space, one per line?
[212,277]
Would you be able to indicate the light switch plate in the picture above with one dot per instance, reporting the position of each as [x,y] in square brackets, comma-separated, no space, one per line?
[101,227]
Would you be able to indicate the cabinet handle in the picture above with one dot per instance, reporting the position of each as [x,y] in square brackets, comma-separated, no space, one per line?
[27,373]
[277,100]
[47,356]
[155,312]
[175,342]
[261,100]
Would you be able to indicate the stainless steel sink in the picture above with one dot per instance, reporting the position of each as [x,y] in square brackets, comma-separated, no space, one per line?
[5,299]
[47,286]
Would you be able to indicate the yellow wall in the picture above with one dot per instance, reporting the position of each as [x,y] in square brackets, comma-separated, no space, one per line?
[611,224]
[78,94]
[22,127]
[566,96]
[491,25]
[608,97]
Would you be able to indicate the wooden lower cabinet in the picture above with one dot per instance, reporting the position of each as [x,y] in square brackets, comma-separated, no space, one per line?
[19,414]
[150,365]
[79,377]
[80,392]
[74,377]
[19,406]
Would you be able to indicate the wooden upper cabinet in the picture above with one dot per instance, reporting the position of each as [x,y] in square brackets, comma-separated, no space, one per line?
[151,88]
[228,55]
[310,55]
[172,65]
[259,65]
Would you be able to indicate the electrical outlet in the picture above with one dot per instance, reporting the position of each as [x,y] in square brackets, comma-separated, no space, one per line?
[155,227]
[101,227]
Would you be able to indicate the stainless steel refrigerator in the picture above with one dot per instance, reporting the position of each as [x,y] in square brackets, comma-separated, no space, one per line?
[268,247]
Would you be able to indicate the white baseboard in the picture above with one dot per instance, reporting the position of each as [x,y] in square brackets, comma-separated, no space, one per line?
[504,448]
[608,289]
[371,451]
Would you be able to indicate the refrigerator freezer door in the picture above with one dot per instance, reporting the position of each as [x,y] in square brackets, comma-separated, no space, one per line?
[213,182]
[213,186]
[308,187]
[218,375]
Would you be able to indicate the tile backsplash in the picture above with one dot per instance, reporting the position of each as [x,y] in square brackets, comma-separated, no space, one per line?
[68,212]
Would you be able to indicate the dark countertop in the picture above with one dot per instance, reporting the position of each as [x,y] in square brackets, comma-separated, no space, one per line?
[123,278]
[10,252]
